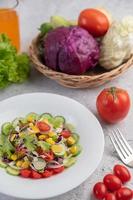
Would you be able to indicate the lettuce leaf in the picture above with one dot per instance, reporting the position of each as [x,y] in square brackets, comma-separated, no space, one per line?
[14,68]
[6,148]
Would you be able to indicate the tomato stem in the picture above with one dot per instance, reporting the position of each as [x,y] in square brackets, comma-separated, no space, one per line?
[112,90]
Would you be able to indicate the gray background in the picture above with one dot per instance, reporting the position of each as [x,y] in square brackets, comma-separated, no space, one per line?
[32,14]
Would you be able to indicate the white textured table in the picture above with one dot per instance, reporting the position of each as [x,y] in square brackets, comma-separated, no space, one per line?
[32,14]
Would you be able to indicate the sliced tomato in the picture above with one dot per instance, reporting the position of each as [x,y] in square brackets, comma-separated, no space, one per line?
[48,156]
[66,133]
[26,173]
[35,175]
[43,126]
[58,170]
[47,173]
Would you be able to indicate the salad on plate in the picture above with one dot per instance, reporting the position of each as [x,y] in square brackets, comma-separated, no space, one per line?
[38,146]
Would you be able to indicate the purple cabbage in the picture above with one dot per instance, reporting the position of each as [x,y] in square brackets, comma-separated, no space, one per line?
[71,50]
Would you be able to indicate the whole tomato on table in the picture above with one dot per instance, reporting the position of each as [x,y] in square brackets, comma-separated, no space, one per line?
[113,104]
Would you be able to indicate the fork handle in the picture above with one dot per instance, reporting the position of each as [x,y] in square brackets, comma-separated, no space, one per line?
[130,164]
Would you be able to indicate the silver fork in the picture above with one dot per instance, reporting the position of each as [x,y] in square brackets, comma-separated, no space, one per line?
[122,147]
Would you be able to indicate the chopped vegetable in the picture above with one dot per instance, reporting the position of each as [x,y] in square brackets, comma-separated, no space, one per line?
[14,68]
[37,146]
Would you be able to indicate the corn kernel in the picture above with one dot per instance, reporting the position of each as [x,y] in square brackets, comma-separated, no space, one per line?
[50,141]
[51,134]
[35,129]
[42,137]
[30,119]
[71,140]
[74,149]
[25,164]
[31,124]
[13,137]
[19,163]
[14,157]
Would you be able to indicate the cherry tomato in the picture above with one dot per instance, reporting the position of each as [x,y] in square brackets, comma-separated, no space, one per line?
[122,172]
[112,182]
[110,196]
[35,175]
[99,190]
[47,173]
[66,133]
[58,170]
[113,104]
[43,126]
[25,173]
[94,21]
[48,156]
[124,194]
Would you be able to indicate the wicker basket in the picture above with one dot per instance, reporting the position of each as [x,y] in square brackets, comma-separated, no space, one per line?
[88,80]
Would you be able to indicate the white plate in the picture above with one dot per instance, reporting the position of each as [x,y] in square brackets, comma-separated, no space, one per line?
[91,139]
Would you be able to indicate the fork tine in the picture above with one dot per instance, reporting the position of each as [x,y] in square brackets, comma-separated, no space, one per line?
[125,142]
[116,148]
[121,143]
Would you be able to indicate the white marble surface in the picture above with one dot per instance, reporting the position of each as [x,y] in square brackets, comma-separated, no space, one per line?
[32,14]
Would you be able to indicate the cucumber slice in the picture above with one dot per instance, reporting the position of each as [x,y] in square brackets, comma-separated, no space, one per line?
[2,164]
[12,171]
[7,128]
[39,164]
[58,150]
[76,137]
[68,162]
[32,116]
[58,121]
[70,127]
[16,122]
[47,116]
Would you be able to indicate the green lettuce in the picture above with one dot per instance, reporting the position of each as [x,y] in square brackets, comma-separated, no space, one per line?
[14,67]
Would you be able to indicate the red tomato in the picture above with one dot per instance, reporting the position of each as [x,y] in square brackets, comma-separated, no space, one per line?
[58,170]
[122,172]
[113,104]
[110,196]
[43,126]
[35,175]
[25,173]
[124,194]
[48,156]
[47,173]
[99,190]
[66,133]
[94,21]
[112,182]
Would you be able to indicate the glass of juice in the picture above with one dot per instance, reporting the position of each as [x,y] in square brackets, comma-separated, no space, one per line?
[9,22]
